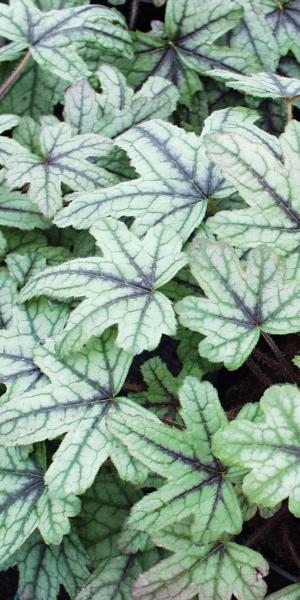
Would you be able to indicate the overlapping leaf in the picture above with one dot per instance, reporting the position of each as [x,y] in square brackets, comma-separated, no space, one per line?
[79,401]
[288,593]
[186,45]
[262,85]
[242,301]
[54,38]
[43,568]
[217,571]
[176,179]
[117,108]
[268,448]
[62,158]
[122,287]
[197,484]
[25,504]
[283,17]
[269,187]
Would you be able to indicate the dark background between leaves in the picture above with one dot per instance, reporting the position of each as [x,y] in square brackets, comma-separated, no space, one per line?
[277,538]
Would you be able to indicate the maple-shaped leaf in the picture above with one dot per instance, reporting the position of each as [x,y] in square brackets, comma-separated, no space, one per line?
[62,158]
[176,179]
[43,568]
[187,45]
[242,300]
[283,17]
[79,401]
[34,93]
[31,325]
[17,211]
[288,593]
[104,509]
[262,85]
[216,571]
[267,185]
[120,287]
[269,448]
[54,38]
[25,504]
[255,34]
[117,108]
[197,485]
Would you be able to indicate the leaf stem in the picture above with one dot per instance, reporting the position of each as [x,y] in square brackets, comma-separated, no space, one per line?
[15,74]
[289,102]
[281,358]
[257,371]
[135,4]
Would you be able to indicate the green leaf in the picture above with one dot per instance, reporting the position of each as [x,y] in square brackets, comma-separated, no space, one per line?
[42,568]
[176,178]
[7,298]
[217,571]
[61,159]
[255,35]
[122,287]
[54,37]
[79,401]
[25,504]
[117,108]
[34,93]
[187,45]
[242,300]
[17,211]
[288,593]
[283,18]
[197,484]
[268,448]
[266,185]
[261,85]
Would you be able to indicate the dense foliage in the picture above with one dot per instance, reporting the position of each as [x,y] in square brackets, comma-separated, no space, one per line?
[150,236]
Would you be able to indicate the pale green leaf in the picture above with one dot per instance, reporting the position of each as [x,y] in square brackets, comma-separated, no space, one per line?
[269,448]
[265,184]
[17,211]
[242,300]
[283,17]
[292,592]
[261,85]
[54,37]
[197,484]
[176,178]
[122,287]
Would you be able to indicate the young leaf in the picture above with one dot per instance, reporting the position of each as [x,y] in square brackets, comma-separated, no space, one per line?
[265,184]
[43,569]
[117,108]
[262,85]
[79,402]
[187,45]
[283,17]
[122,287]
[176,178]
[241,302]
[53,38]
[197,484]
[269,448]
[62,159]
[217,571]
[25,504]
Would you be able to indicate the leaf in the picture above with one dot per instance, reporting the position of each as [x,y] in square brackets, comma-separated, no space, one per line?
[42,568]
[34,93]
[269,448]
[120,288]
[261,85]
[33,323]
[25,504]
[255,35]
[187,45]
[288,593]
[241,301]
[176,178]
[117,108]
[197,484]
[17,211]
[54,37]
[213,572]
[265,184]
[79,402]
[61,159]
[284,20]
[7,297]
